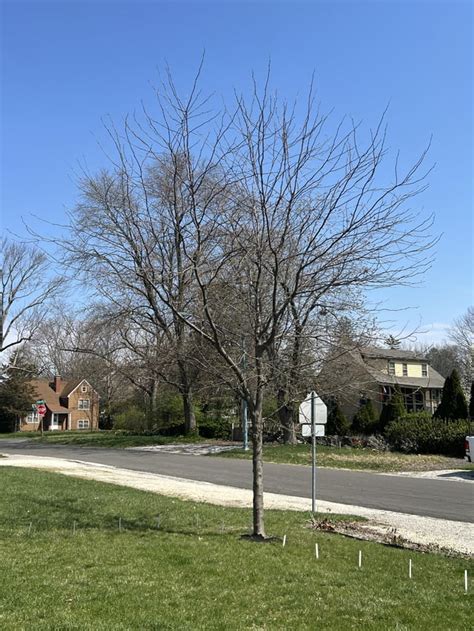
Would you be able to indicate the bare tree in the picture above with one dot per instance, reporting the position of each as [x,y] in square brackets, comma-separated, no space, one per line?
[240,227]
[313,338]
[81,347]
[27,287]
[299,218]
[128,242]
[462,335]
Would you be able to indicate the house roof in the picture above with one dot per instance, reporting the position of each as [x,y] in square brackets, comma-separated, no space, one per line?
[434,379]
[69,386]
[391,353]
[51,398]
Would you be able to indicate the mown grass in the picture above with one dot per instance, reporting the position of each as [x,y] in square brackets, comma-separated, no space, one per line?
[102,439]
[352,458]
[182,565]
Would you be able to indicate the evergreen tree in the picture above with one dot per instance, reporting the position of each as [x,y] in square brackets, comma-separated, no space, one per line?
[453,402]
[392,342]
[471,403]
[337,424]
[16,398]
[393,409]
[366,419]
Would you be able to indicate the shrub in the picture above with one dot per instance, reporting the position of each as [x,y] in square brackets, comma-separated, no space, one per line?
[168,414]
[215,418]
[215,426]
[471,402]
[132,419]
[453,402]
[337,424]
[393,409]
[418,433]
[366,419]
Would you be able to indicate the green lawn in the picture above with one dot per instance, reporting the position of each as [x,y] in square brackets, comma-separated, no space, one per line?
[180,565]
[352,458]
[102,439]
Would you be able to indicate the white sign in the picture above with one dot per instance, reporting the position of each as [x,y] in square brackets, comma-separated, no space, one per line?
[319,430]
[320,410]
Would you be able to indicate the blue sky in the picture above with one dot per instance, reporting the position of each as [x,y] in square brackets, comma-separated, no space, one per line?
[66,65]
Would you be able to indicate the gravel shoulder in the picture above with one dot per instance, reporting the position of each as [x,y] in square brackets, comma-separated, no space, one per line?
[453,535]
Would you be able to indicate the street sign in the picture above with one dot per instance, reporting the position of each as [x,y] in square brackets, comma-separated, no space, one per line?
[41,409]
[319,407]
[313,415]
[319,430]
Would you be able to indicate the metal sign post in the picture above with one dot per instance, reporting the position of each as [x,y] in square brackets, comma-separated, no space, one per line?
[245,425]
[313,419]
[244,405]
[313,456]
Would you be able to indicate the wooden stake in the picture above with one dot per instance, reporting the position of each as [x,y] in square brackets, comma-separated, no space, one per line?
[120,524]
[465,581]
[409,569]
[284,540]
[360,558]
[30,527]
[73,527]
[316,550]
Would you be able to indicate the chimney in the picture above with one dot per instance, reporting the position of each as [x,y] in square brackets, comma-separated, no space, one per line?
[58,383]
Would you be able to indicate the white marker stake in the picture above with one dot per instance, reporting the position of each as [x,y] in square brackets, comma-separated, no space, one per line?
[284,540]
[360,558]
[465,581]
[30,527]
[316,550]
[73,527]
[120,524]
[409,569]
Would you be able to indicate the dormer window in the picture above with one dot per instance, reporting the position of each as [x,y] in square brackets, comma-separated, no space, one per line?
[84,388]
[391,368]
[424,370]
[405,370]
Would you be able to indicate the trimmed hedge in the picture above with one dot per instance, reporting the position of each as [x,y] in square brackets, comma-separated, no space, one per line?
[419,434]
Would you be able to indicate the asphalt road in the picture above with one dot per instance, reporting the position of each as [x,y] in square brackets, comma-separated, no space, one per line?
[444,499]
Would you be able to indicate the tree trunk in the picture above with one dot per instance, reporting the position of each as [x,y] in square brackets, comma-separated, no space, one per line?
[188,409]
[190,426]
[257,461]
[285,416]
[154,391]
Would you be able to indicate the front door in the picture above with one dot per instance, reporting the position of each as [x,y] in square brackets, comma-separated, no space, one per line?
[54,422]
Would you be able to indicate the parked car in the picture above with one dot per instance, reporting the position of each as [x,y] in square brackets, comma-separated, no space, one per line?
[469,448]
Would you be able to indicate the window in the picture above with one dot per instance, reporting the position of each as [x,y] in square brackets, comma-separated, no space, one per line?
[83,423]
[424,370]
[391,368]
[84,404]
[84,388]
[405,370]
[32,417]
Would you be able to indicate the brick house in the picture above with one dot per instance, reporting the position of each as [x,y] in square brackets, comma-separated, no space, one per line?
[353,376]
[70,405]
